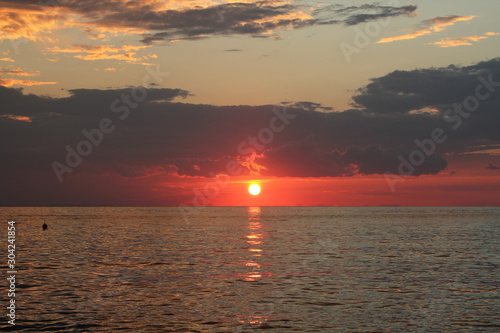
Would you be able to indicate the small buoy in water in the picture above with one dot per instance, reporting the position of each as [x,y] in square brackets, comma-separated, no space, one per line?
[44,226]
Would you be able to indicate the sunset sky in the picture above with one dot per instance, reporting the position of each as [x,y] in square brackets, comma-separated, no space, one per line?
[334,103]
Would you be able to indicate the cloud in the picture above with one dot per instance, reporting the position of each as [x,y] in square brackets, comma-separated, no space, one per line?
[298,159]
[14,117]
[427,27]
[196,167]
[129,57]
[432,88]
[17,72]
[163,136]
[7,59]
[493,151]
[14,82]
[27,19]
[254,19]
[104,52]
[461,41]
[354,15]
[97,49]
[310,106]
[492,167]
[14,71]
[179,20]
[264,19]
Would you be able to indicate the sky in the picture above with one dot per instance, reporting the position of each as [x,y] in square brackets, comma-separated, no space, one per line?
[187,103]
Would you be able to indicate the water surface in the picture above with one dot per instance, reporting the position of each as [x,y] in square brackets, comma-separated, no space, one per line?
[242,269]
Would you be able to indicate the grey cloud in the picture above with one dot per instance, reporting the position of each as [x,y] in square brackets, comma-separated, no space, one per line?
[374,12]
[162,135]
[405,91]
[241,19]
[310,106]
[298,159]
[254,19]
[492,167]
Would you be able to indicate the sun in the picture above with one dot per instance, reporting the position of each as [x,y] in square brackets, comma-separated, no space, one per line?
[254,189]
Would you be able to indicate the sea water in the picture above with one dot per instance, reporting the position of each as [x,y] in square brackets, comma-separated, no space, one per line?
[240,269]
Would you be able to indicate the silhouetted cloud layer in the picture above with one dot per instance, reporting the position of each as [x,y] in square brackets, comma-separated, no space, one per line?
[439,88]
[306,160]
[161,135]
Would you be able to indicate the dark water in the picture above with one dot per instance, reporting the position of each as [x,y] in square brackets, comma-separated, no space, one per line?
[245,269]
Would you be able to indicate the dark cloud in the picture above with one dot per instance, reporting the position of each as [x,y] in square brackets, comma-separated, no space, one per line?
[492,167]
[310,106]
[257,19]
[405,91]
[354,15]
[297,159]
[161,135]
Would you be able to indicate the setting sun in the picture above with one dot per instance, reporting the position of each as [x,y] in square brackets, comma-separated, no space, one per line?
[254,189]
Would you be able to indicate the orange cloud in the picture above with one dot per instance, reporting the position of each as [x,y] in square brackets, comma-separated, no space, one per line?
[31,22]
[35,21]
[86,48]
[17,72]
[173,20]
[104,52]
[14,117]
[285,17]
[461,41]
[13,71]
[104,56]
[404,37]
[12,82]
[161,5]
[7,59]
[427,27]
[128,57]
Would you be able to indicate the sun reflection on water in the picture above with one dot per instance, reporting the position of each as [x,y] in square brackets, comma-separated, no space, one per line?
[254,238]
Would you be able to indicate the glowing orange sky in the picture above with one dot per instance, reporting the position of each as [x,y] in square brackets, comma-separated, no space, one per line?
[225,65]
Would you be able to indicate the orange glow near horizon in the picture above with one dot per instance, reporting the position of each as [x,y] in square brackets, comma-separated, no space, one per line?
[463,187]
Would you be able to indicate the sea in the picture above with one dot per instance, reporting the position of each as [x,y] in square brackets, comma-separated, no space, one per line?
[246,269]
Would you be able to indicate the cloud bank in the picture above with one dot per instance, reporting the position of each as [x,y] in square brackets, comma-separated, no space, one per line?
[164,135]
